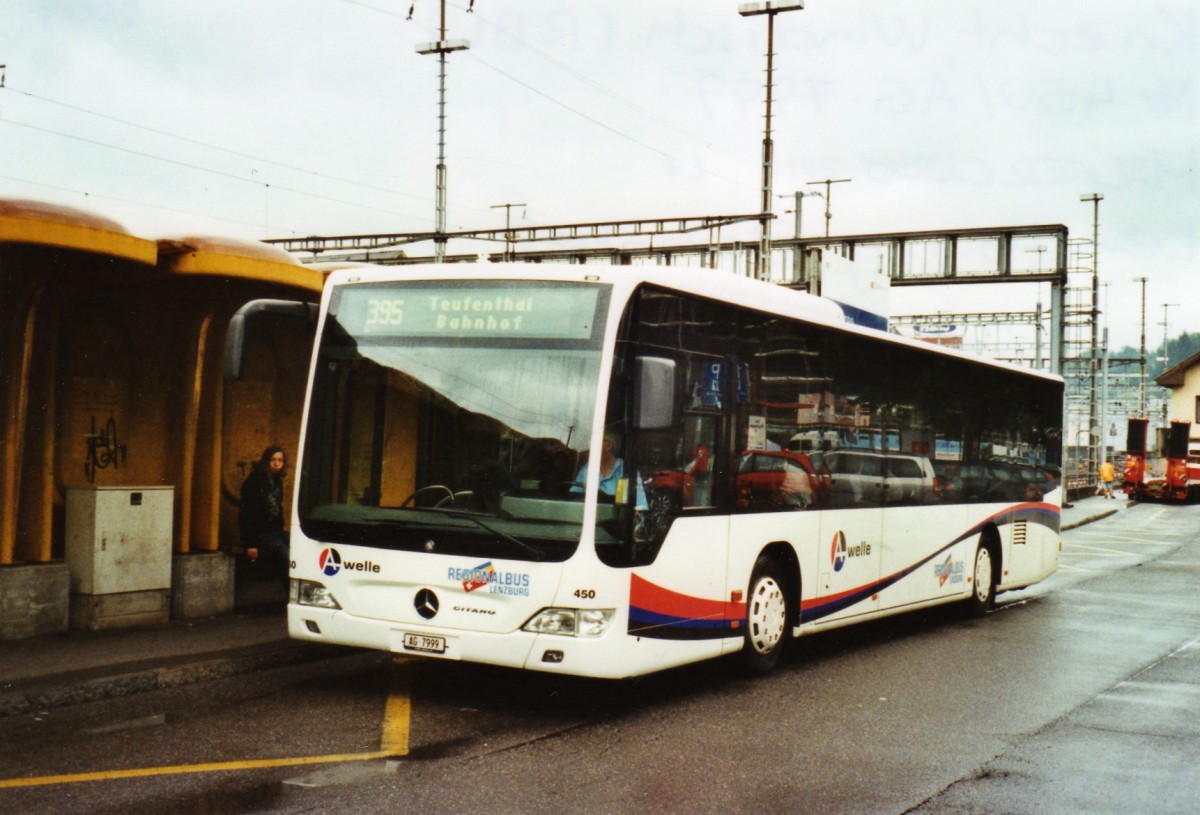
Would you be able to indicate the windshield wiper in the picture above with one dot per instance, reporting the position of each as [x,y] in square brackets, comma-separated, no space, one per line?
[528,549]
[532,551]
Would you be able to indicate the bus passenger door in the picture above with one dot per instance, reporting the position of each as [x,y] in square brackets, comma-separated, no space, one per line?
[678,592]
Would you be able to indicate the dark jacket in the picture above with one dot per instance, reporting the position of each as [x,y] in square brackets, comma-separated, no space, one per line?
[262,506]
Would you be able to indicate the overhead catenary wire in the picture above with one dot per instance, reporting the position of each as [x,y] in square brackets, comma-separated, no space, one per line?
[598,122]
[315,174]
[208,170]
[217,147]
[328,177]
[567,69]
[565,106]
[119,200]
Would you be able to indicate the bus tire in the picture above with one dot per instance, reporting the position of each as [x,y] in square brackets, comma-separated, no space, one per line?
[983,580]
[766,622]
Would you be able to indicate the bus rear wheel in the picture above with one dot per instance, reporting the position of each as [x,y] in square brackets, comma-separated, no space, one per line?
[766,618]
[983,582]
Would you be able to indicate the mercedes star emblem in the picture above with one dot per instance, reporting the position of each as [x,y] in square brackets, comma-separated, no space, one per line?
[426,603]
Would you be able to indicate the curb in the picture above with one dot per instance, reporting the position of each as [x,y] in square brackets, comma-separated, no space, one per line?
[187,671]
[1097,517]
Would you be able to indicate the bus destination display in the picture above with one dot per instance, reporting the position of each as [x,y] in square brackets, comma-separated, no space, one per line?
[526,312]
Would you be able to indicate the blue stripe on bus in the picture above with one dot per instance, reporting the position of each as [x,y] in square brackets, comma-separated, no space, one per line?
[646,623]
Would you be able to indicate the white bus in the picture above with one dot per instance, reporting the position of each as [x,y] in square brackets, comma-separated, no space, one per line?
[586,470]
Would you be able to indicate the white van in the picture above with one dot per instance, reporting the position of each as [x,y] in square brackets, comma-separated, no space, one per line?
[861,477]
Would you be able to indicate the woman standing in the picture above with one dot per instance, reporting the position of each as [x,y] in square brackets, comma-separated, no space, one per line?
[261,516]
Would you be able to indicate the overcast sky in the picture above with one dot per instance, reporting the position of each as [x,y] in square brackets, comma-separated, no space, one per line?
[278,118]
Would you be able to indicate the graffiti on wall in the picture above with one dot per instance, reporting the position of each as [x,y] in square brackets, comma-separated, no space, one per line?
[103,449]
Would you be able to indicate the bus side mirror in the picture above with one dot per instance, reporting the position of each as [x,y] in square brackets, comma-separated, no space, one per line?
[235,346]
[654,393]
[239,324]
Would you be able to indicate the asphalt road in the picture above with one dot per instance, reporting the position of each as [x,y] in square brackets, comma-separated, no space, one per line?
[1079,695]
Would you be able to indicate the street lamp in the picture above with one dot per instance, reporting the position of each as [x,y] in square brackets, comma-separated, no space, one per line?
[769,8]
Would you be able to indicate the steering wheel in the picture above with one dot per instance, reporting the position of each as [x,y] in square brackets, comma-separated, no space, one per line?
[449,494]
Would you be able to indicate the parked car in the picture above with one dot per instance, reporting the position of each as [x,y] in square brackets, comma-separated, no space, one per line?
[993,480]
[867,478]
[774,479]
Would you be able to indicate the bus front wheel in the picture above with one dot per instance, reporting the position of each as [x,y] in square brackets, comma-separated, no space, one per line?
[766,618]
[983,581]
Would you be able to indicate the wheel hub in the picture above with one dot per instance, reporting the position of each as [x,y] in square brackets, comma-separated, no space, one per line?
[767,615]
[983,574]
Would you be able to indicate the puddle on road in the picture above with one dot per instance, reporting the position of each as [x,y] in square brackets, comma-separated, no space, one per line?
[343,774]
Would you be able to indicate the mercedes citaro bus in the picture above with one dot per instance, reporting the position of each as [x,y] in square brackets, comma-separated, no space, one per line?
[536,466]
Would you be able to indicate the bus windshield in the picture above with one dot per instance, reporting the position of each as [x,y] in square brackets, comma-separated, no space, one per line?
[449,417]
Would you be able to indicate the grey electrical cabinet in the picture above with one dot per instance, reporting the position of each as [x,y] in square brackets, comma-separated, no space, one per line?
[118,552]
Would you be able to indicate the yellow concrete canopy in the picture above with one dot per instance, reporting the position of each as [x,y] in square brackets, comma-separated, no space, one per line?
[37,223]
[225,257]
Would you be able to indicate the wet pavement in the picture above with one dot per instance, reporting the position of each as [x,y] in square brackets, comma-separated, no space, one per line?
[1139,735]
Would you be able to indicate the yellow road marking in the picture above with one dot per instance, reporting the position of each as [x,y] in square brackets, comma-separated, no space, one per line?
[183,769]
[397,713]
[393,744]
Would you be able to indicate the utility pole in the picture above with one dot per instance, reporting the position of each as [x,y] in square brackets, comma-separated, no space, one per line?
[1142,353]
[799,196]
[508,235]
[1104,399]
[1166,357]
[1094,360]
[442,47]
[1041,250]
[770,8]
[1166,361]
[798,255]
[829,196]
[1037,330]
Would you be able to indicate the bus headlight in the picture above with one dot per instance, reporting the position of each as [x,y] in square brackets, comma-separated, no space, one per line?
[311,593]
[571,622]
